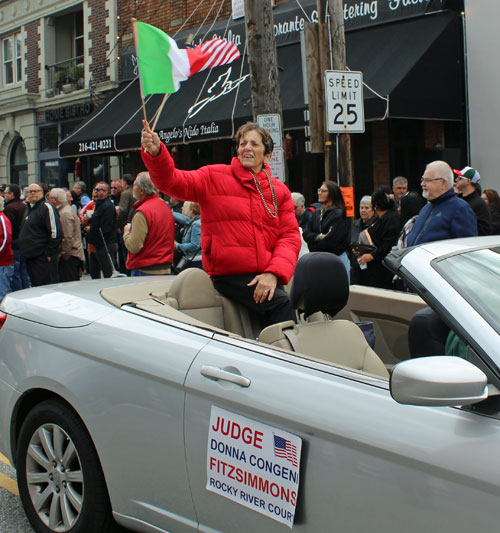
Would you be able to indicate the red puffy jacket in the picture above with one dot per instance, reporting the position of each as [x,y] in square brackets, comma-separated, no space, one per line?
[238,236]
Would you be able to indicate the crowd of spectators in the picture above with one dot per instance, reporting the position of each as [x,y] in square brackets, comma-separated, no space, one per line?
[49,236]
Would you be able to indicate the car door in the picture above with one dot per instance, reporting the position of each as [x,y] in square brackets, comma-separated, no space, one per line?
[366,462]
[132,382]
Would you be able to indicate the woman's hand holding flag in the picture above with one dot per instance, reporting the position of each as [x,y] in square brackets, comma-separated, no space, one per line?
[150,140]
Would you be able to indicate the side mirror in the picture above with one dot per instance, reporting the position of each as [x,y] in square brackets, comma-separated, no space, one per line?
[438,381]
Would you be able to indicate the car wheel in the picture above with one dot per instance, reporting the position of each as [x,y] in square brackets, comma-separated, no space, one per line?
[60,479]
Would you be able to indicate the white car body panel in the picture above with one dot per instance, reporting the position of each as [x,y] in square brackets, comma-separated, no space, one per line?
[135,380]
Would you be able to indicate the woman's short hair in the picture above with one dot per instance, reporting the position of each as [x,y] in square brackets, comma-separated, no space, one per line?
[335,194]
[299,197]
[267,140]
[367,199]
[382,199]
[144,182]
[191,206]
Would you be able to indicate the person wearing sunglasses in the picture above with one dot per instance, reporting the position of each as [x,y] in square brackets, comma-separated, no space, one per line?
[328,227]
[102,234]
[40,237]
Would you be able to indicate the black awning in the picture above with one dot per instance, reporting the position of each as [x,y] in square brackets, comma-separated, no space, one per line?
[214,104]
[416,63]
[96,135]
[210,105]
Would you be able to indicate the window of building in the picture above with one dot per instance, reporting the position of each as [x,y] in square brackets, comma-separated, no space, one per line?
[78,32]
[12,59]
[18,163]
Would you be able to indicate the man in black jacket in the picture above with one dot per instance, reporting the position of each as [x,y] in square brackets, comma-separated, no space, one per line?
[40,237]
[467,183]
[102,234]
[14,211]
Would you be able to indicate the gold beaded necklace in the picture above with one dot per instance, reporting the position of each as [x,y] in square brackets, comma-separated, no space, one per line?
[274,213]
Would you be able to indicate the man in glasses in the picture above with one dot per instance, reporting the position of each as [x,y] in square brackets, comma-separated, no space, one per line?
[40,237]
[102,234]
[445,216]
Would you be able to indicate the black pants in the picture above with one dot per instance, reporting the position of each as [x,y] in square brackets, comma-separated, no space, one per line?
[100,261]
[42,271]
[279,309]
[69,269]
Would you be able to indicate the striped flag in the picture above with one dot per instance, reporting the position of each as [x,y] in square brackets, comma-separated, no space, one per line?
[162,65]
[285,449]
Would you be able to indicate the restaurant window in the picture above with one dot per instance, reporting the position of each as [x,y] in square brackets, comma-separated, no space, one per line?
[49,138]
[12,59]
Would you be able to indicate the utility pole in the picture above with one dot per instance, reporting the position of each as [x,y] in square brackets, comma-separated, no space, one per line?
[330,46]
[262,58]
[339,63]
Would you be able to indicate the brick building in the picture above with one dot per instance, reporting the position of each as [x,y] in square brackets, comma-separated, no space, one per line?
[411,57]
[59,60]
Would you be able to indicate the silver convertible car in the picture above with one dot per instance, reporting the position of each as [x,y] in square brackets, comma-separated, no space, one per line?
[156,404]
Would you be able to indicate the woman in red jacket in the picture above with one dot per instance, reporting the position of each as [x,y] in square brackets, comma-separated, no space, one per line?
[250,238]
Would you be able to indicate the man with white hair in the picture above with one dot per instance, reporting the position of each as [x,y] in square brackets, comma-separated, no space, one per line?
[71,257]
[149,238]
[445,216]
[40,238]
[301,212]
[6,253]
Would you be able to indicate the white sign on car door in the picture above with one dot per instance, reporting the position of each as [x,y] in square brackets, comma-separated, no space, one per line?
[344,101]
[253,464]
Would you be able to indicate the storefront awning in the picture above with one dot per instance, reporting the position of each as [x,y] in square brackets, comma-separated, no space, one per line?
[415,63]
[210,105]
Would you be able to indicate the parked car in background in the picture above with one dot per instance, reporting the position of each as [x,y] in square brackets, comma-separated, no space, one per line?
[157,404]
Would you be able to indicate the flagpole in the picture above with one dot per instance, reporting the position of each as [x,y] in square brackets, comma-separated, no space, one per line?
[134,30]
[160,109]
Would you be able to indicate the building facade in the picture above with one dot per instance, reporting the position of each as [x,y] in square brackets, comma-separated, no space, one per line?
[59,59]
[411,55]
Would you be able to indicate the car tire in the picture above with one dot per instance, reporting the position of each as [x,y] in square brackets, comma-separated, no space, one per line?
[60,479]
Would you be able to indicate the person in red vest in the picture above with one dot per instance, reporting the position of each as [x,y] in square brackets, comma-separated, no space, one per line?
[149,238]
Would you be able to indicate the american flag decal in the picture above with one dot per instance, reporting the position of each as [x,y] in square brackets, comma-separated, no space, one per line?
[285,449]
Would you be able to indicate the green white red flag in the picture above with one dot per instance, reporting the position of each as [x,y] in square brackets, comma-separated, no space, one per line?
[163,66]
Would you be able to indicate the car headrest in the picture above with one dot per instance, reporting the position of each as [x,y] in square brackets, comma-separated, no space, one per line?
[320,283]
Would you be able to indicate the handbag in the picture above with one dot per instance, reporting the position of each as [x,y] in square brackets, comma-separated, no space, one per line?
[184,263]
[365,244]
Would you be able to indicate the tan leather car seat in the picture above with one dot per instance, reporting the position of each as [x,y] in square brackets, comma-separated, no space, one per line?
[333,341]
[193,293]
[321,285]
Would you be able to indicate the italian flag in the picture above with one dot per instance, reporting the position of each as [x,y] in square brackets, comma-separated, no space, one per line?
[162,65]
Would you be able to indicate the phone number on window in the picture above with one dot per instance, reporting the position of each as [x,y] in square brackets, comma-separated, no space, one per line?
[93,146]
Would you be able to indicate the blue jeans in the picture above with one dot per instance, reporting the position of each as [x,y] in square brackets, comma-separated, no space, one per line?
[20,279]
[345,259]
[135,273]
[6,273]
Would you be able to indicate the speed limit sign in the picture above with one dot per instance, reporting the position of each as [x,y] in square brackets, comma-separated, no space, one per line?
[344,101]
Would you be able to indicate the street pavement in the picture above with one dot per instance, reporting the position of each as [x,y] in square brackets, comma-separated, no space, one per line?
[12,517]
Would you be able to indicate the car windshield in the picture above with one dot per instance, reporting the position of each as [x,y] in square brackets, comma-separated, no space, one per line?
[476,276]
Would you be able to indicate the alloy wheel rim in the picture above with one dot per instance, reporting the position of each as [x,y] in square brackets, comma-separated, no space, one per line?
[55,478]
